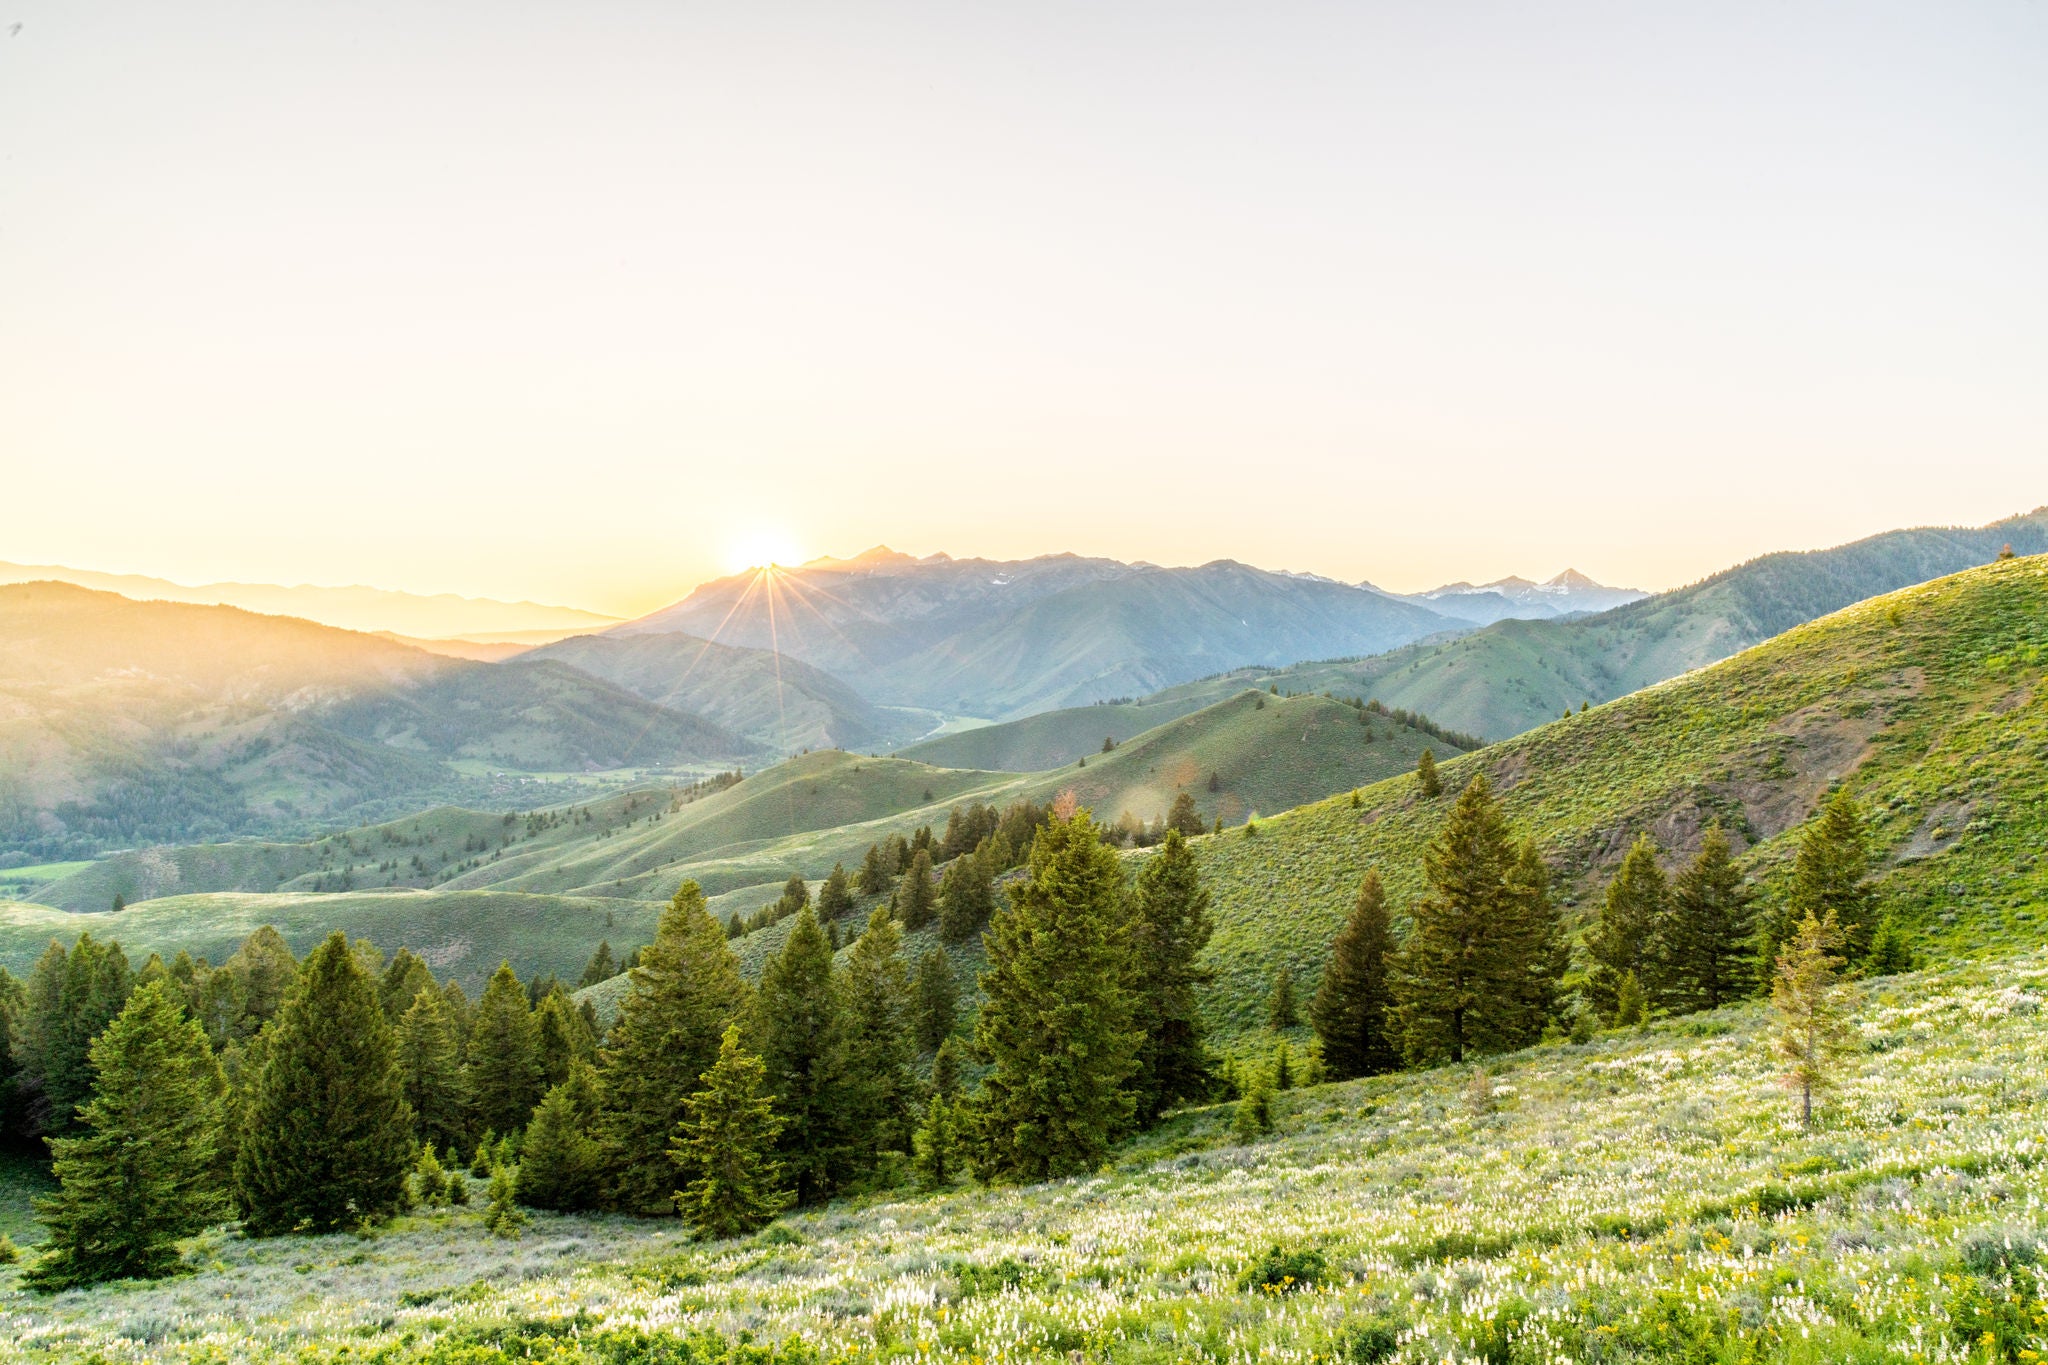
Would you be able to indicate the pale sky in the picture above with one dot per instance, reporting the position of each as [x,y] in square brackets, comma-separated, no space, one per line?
[568,301]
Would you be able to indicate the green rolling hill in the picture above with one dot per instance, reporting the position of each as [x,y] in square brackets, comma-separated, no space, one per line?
[1050,739]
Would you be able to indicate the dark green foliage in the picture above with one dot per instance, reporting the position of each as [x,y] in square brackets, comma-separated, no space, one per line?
[1281,1009]
[1280,1271]
[1253,1117]
[561,1164]
[874,879]
[430,1068]
[601,967]
[145,1171]
[935,999]
[1184,817]
[504,1070]
[405,976]
[1479,970]
[796,896]
[1706,956]
[935,1145]
[834,899]
[1832,876]
[71,997]
[1425,776]
[268,971]
[1057,1023]
[1891,949]
[561,1036]
[329,1135]
[1169,928]
[680,999]
[1633,923]
[1349,1010]
[946,1069]
[502,1217]
[967,897]
[803,1053]
[916,902]
[724,1147]
[875,990]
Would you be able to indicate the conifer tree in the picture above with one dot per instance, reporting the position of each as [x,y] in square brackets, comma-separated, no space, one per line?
[1706,952]
[1831,877]
[935,999]
[601,967]
[724,1148]
[803,1053]
[1057,1027]
[430,1070]
[1281,1010]
[561,1165]
[1890,950]
[1633,923]
[1813,1011]
[1631,1005]
[405,976]
[504,1073]
[1184,817]
[874,880]
[1169,928]
[561,1036]
[93,987]
[796,896]
[328,1138]
[946,1069]
[916,903]
[935,1145]
[268,971]
[1349,1010]
[678,1002]
[144,1170]
[967,897]
[503,1218]
[1478,971]
[1425,776]
[834,899]
[459,1009]
[879,1045]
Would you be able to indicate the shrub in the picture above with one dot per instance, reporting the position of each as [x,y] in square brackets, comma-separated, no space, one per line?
[1281,1271]
[1371,1341]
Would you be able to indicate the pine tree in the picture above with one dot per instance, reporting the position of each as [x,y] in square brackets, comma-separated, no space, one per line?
[430,1070]
[1253,1117]
[1281,1010]
[879,1046]
[504,1073]
[915,902]
[459,1009]
[1184,817]
[1706,953]
[1831,877]
[502,1218]
[1891,952]
[144,1171]
[1479,970]
[1349,1010]
[678,1002]
[601,967]
[93,987]
[1631,1006]
[404,978]
[935,1145]
[1425,776]
[329,1136]
[796,896]
[946,1069]
[803,1053]
[561,1037]
[935,1000]
[561,1165]
[874,880]
[967,897]
[834,899]
[1169,928]
[724,1148]
[1813,1011]
[1057,1023]
[268,971]
[1632,925]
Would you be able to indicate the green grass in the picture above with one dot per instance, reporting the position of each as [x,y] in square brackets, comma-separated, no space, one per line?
[1052,739]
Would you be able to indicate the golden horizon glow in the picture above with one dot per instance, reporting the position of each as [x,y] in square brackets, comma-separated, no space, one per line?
[762,548]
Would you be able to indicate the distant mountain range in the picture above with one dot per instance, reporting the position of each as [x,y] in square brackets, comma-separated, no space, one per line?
[1505,599]
[1001,639]
[430,619]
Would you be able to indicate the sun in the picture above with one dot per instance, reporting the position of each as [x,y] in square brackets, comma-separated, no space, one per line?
[759,547]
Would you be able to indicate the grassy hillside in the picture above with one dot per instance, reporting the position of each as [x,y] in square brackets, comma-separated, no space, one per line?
[1515,675]
[1050,739]
[778,702]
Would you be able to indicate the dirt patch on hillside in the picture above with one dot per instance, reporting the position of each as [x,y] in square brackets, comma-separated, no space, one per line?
[1937,831]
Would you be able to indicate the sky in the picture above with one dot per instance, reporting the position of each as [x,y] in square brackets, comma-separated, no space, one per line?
[586,302]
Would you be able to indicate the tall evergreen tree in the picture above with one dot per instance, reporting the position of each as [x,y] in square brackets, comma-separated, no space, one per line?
[874,880]
[1706,954]
[1632,925]
[561,1165]
[1813,1011]
[935,1000]
[1832,877]
[561,1037]
[1057,1027]
[601,966]
[803,1051]
[1281,1009]
[935,1144]
[1426,777]
[328,1138]
[460,1010]
[1184,817]
[504,1074]
[795,897]
[1169,928]
[268,972]
[724,1147]
[1479,969]
[92,991]
[144,1172]
[430,1071]
[946,1069]
[879,1046]
[916,902]
[1349,1010]
[834,899]
[967,897]
[678,1002]
[405,976]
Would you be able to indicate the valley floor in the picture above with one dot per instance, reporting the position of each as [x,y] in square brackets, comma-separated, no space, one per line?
[1647,1195]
